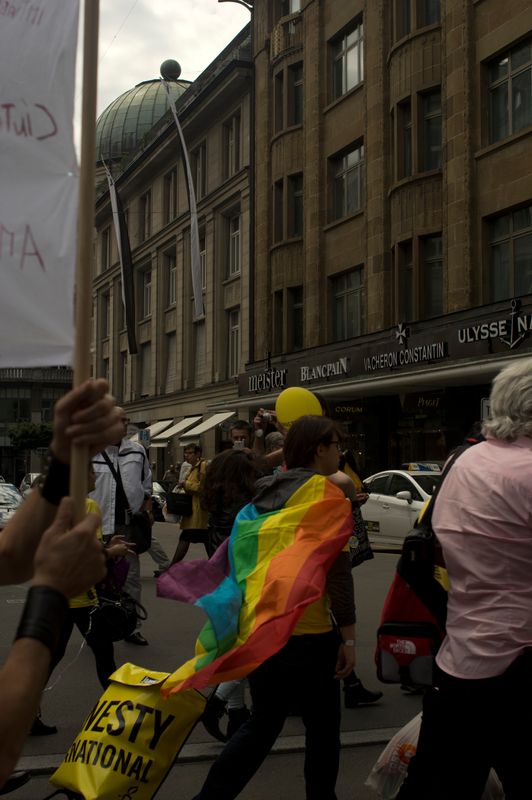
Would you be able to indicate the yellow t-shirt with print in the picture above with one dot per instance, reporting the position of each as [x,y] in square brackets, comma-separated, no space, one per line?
[88,598]
[316,618]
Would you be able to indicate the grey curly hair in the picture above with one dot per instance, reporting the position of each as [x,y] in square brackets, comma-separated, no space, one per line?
[511,402]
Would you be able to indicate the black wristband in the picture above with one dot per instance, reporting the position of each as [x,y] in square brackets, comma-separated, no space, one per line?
[56,483]
[44,616]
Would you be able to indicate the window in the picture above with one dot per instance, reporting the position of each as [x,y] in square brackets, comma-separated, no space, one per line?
[123,374]
[278,320]
[432,276]
[232,146]
[105,369]
[290,7]
[431,109]
[105,249]
[233,361]
[348,182]
[278,98]
[399,483]
[510,254]
[234,245]
[170,196]
[406,281]
[199,170]
[170,267]
[347,291]
[145,216]
[146,294]
[405,138]
[295,206]
[379,485]
[145,369]
[203,258]
[348,60]
[295,315]
[278,211]
[429,12]
[403,18]
[510,91]
[106,315]
[295,94]
[170,373]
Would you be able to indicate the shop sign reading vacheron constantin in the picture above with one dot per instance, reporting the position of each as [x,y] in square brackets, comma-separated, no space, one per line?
[399,349]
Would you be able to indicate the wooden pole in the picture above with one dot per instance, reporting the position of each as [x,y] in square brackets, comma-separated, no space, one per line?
[80,455]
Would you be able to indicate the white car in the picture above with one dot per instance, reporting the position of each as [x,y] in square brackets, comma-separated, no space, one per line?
[10,500]
[396,496]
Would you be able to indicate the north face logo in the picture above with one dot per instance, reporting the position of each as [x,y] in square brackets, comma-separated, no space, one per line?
[405,646]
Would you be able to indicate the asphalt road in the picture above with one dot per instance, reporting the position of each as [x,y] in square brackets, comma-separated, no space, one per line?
[171,629]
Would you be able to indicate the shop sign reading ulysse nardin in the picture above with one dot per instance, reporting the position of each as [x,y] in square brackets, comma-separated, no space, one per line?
[510,331]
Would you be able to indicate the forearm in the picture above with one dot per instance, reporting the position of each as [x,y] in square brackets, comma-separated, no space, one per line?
[22,679]
[341,591]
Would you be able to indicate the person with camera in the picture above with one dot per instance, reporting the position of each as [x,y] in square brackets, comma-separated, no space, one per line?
[123,487]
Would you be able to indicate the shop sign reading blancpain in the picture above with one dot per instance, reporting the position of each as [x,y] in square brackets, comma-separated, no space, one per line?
[330,369]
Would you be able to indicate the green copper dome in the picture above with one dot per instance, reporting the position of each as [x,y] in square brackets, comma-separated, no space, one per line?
[122,125]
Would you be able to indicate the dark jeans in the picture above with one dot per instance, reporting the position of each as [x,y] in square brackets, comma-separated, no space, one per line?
[102,649]
[302,672]
[468,727]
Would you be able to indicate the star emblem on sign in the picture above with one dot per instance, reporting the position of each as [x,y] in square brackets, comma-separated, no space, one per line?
[401,333]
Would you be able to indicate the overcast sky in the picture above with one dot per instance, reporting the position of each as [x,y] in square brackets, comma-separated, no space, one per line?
[136,36]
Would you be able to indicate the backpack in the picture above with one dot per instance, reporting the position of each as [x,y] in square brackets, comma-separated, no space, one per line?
[412,624]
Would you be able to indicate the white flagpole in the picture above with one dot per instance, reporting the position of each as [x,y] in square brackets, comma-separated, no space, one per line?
[195,267]
[80,455]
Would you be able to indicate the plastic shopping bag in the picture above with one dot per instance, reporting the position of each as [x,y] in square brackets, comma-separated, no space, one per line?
[129,741]
[389,771]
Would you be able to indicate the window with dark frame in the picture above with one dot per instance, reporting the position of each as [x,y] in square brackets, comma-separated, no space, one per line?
[145,216]
[405,280]
[432,129]
[347,182]
[278,321]
[123,374]
[295,206]
[347,304]
[295,94]
[278,99]
[234,247]
[510,254]
[405,138]
[203,258]
[278,211]
[105,249]
[295,315]
[170,196]
[347,53]
[232,146]
[432,276]
[170,266]
[146,294]
[233,361]
[510,91]
[145,369]
[402,18]
[428,12]
[199,170]
[106,315]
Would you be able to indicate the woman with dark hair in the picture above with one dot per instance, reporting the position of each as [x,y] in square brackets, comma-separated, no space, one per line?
[308,668]
[229,485]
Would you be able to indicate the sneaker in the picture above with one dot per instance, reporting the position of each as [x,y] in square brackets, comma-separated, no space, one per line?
[356,694]
[214,711]
[136,638]
[40,729]
[237,717]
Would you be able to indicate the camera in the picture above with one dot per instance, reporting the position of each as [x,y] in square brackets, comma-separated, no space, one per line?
[266,417]
[239,445]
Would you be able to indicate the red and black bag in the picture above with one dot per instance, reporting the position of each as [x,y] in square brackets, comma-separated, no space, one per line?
[412,625]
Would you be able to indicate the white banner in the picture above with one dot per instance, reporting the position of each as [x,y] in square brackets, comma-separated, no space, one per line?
[38,181]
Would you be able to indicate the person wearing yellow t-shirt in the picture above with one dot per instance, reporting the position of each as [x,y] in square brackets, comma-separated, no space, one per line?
[82,605]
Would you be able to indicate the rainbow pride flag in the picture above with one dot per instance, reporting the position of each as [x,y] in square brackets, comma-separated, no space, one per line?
[259,582]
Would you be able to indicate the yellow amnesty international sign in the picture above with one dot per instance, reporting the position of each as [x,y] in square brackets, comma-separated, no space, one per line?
[130,739]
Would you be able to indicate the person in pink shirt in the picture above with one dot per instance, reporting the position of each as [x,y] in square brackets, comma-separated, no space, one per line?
[478,713]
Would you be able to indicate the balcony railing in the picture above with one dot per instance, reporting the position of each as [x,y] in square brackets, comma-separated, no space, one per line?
[287,34]
[37,374]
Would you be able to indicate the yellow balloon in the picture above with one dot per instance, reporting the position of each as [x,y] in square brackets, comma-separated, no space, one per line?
[295,402]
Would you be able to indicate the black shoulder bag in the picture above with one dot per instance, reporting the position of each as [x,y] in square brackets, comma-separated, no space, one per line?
[137,529]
